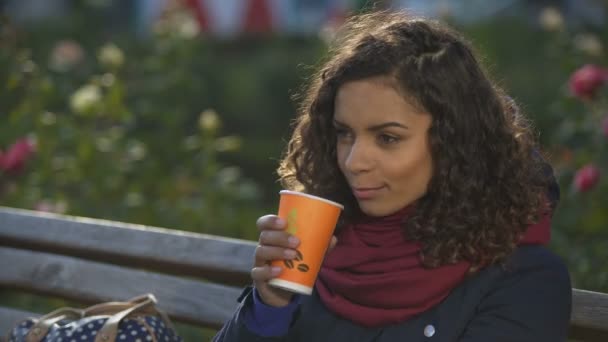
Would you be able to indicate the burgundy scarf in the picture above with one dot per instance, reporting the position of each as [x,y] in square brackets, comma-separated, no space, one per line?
[374,276]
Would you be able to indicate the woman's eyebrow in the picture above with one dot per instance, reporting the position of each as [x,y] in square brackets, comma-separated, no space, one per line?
[386,125]
[374,128]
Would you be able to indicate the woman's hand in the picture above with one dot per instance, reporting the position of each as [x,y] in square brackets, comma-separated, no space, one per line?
[274,244]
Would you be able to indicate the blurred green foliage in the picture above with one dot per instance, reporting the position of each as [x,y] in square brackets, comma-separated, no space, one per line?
[536,66]
[184,132]
[172,131]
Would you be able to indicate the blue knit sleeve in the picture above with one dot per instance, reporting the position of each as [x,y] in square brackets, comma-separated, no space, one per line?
[265,320]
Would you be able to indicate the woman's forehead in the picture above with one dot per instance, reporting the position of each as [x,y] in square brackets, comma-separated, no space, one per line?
[373,99]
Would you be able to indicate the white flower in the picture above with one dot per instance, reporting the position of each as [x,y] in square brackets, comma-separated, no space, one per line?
[551,19]
[209,121]
[188,28]
[136,150]
[589,44]
[85,98]
[107,80]
[228,175]
[111,56]
[228,143]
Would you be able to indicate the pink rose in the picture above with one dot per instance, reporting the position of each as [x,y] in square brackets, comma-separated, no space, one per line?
[44,206]
[51,207]
[586,80]
[586,178]
[15,157]
[65,55]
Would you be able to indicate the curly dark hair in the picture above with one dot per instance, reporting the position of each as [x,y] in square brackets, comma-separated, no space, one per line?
[488,183]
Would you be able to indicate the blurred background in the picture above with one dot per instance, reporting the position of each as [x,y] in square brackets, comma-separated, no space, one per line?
[174,113]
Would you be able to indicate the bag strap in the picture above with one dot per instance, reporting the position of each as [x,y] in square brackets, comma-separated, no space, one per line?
[138,304]
[112,308]
[39,330]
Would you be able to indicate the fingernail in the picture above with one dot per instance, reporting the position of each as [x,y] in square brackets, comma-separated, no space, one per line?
[275,270]
[289,254]
[280,222]
[293,241]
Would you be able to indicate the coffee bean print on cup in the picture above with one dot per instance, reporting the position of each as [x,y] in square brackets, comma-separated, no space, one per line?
[299,256]
[303,268]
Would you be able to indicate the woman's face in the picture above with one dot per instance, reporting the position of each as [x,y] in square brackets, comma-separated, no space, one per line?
[382,145]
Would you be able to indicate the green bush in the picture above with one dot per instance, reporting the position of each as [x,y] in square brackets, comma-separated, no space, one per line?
[174,131]
[102,150]
[536,67]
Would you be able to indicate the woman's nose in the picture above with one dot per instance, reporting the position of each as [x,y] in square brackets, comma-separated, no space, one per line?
[359,157]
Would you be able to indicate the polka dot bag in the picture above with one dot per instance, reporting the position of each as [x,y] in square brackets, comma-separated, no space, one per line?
[137,320]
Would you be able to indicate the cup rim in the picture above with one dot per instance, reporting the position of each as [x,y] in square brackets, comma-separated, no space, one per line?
[297,193]
[290,286]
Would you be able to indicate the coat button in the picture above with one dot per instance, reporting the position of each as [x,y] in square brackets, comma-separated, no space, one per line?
[429,330]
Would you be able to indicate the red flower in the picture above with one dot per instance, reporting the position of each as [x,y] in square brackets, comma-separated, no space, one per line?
[586,178]
[15,157]
[586,80]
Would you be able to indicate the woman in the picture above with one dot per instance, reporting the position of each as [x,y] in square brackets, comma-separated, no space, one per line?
[447,204]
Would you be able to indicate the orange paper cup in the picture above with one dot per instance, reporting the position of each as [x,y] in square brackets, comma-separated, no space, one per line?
[313,220]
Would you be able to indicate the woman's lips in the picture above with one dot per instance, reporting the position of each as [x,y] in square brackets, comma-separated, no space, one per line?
[366,193]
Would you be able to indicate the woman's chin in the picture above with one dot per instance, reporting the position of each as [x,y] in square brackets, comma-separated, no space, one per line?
[370,209]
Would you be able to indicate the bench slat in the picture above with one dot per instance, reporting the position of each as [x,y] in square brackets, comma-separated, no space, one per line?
[589,318]
[170,251]
[186,300]
[32,241]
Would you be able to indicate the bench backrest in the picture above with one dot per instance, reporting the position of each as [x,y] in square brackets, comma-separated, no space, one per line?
[195,277]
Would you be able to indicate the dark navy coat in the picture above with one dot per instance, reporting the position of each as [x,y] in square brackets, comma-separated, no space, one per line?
[529,300]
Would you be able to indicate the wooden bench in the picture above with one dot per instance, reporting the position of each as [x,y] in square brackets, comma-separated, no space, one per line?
[195,277]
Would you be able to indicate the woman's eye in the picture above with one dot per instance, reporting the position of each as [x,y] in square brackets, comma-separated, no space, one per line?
[386,139]
[341,133]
